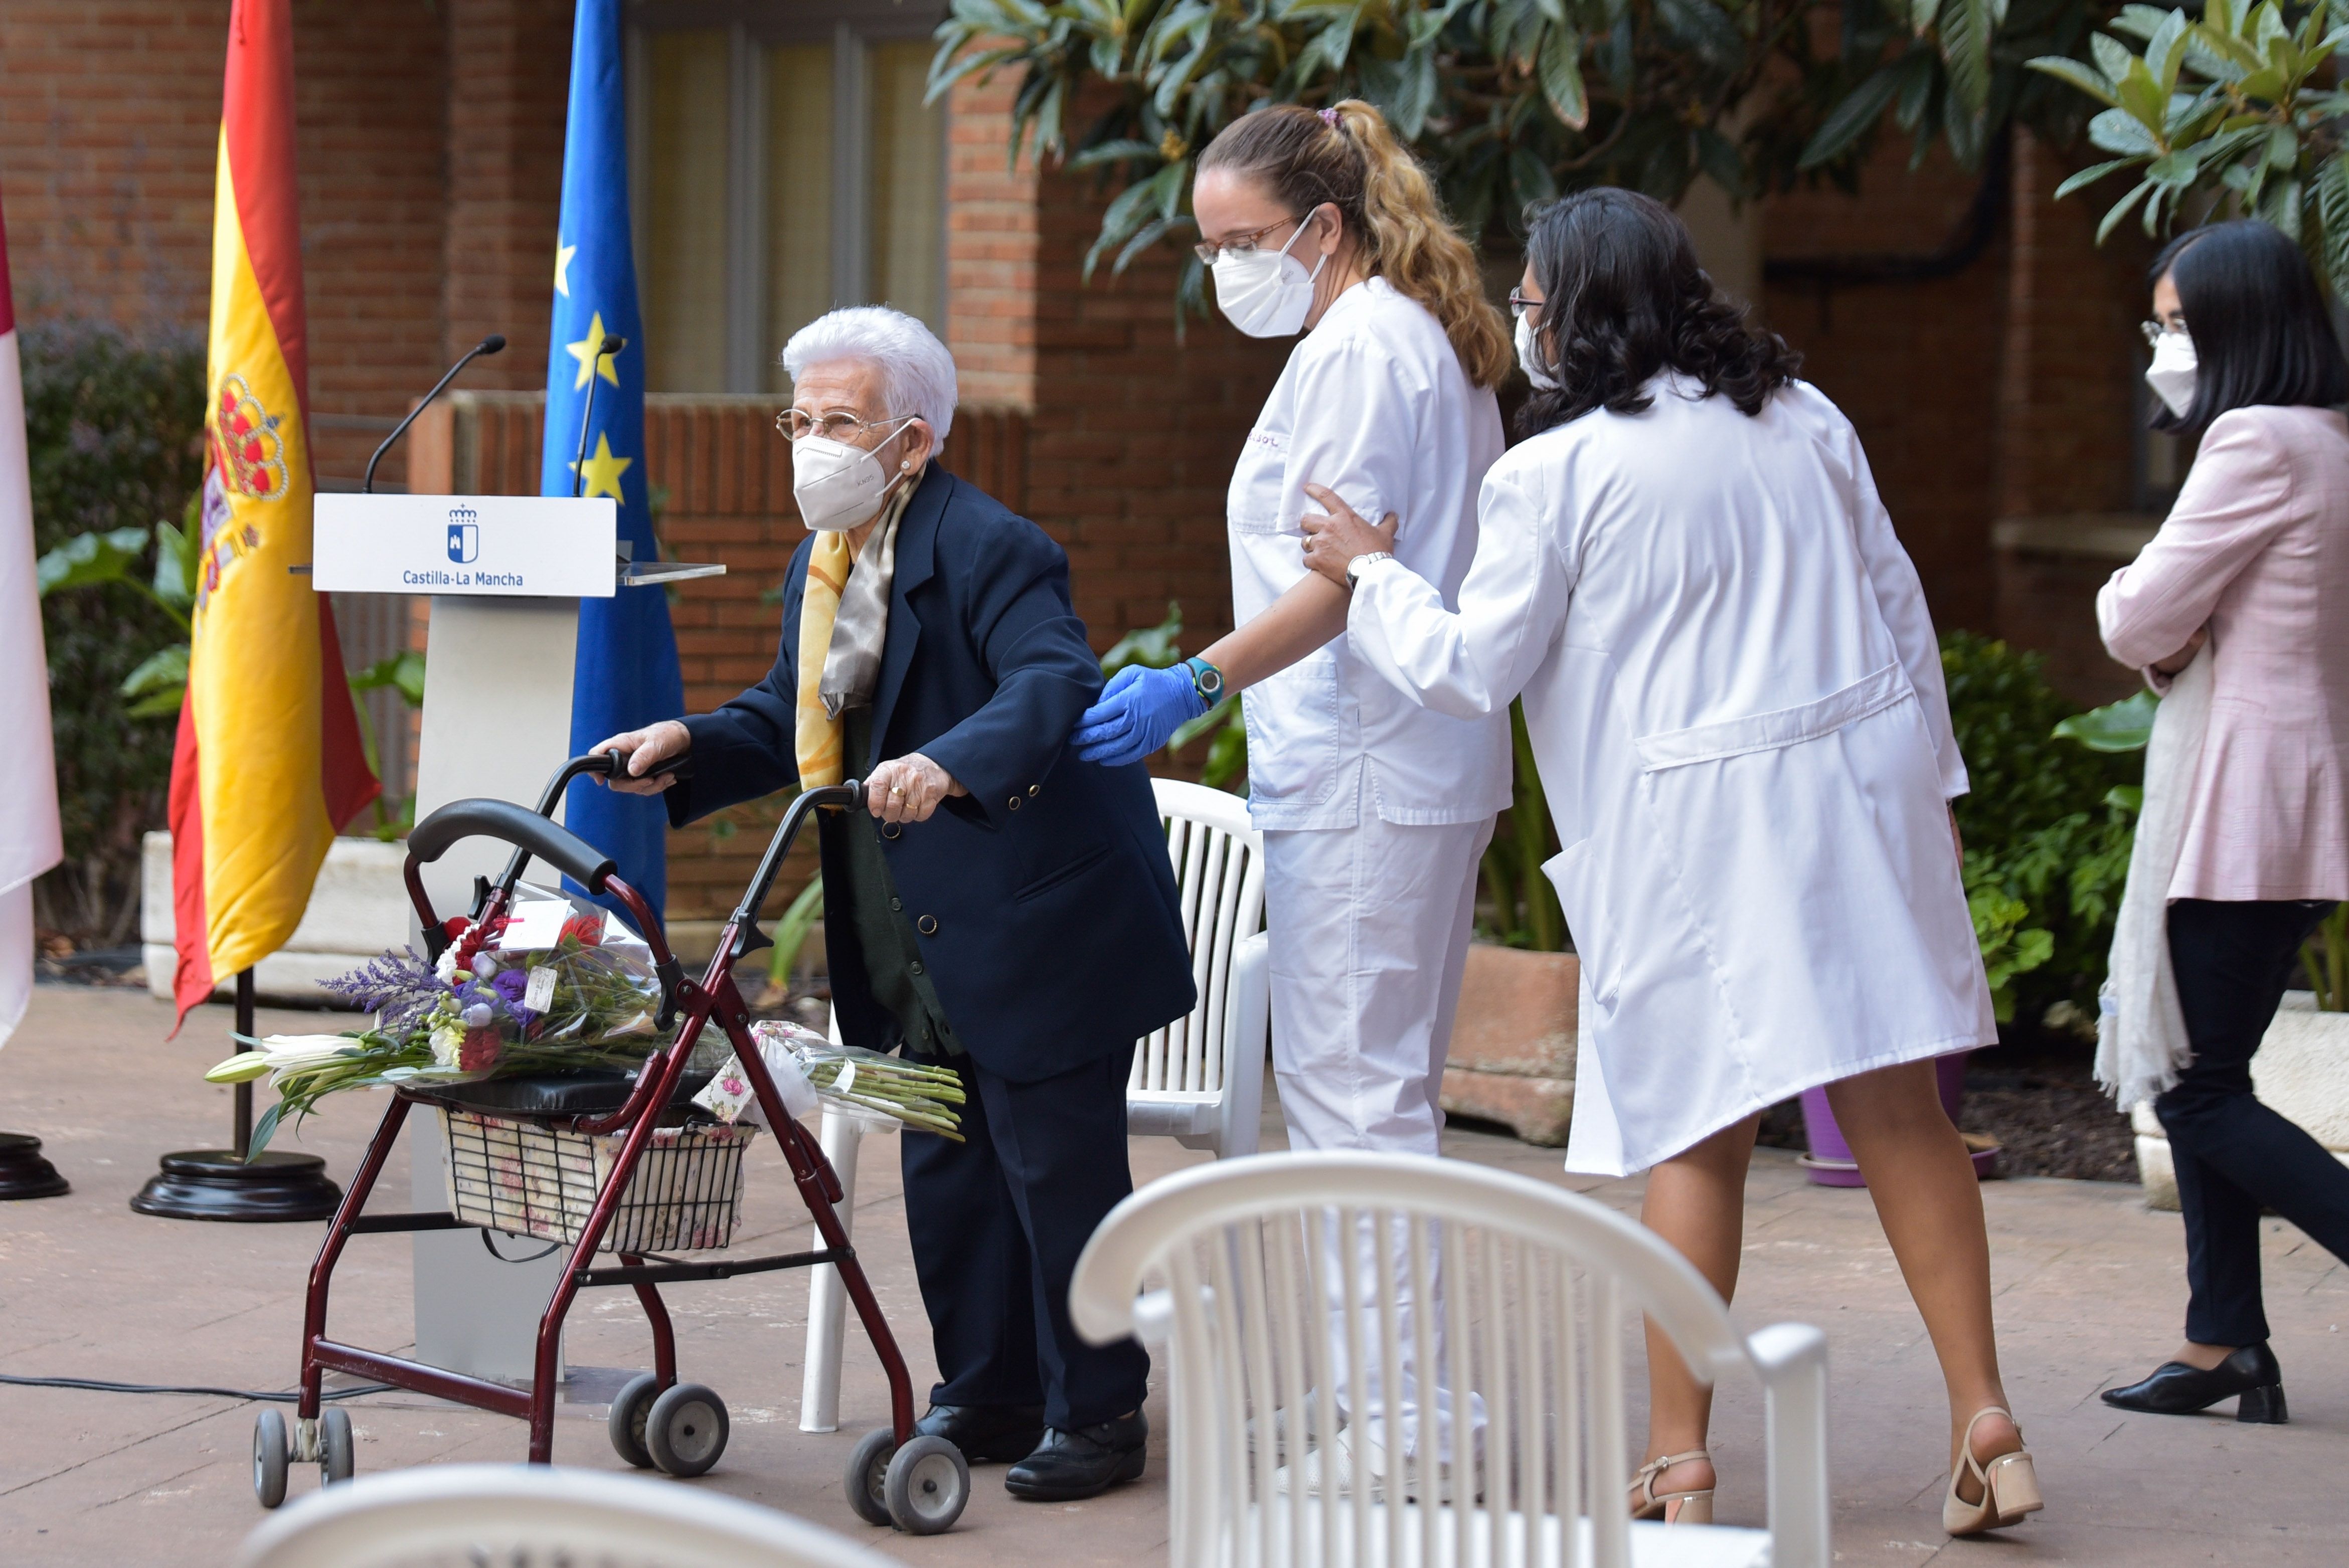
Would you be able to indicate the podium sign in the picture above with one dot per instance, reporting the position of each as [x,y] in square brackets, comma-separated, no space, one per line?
[493,546]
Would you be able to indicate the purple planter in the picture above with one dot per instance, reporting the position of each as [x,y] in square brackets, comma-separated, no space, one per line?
[1829,1162]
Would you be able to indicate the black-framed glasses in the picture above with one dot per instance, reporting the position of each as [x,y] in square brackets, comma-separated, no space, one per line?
[833,426]
[1519,305]
[1241,244]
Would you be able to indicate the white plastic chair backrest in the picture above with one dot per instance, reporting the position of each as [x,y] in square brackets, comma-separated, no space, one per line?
[1537,1287]
[457,1516]
[1219,866]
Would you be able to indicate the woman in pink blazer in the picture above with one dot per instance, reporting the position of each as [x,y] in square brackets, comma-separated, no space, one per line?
[2253,561]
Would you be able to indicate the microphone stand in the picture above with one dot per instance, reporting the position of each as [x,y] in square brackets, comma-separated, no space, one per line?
[493,344]
[613,342]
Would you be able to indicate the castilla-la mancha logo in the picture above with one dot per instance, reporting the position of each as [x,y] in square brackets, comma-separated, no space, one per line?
[464,534]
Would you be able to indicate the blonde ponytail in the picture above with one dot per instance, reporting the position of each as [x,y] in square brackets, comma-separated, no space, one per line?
[1347,156]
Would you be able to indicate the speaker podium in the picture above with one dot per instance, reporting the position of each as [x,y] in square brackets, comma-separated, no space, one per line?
[505,575]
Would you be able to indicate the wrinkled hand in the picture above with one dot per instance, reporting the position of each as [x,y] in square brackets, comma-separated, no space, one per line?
[1138,711]
[1331,542]
[2185,655]
[909,788]
[649,748]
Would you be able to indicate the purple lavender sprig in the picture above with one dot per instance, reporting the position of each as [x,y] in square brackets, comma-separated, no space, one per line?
[398,986]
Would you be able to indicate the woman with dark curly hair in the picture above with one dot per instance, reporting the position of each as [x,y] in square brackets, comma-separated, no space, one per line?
[1736,699]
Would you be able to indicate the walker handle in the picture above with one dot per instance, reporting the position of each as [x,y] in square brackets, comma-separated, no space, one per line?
[555,844]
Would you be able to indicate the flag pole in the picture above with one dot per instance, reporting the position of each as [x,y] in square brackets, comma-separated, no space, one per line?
[231,1183]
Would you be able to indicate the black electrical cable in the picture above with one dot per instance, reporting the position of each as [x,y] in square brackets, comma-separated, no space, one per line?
[98,1386]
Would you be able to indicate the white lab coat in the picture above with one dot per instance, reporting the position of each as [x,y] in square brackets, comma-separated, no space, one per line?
[1374,405]
[1736,699]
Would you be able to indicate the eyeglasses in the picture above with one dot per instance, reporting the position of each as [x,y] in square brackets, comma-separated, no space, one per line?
[1519,305]
[2155,331]
[1241,244]
[835,427]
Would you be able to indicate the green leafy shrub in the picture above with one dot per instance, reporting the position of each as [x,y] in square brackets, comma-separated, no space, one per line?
[114,427]
[2047,827]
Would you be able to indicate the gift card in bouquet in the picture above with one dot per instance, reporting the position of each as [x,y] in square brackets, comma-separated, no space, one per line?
[535,923]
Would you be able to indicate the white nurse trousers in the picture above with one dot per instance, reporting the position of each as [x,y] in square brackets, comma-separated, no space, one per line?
[1369,930]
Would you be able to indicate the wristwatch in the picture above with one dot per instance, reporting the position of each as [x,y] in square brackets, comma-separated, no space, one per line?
[1206,680]
[1354,567]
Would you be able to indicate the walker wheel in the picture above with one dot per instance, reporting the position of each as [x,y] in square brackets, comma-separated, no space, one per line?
[868,1475]
[339,1457]
[631,1407]
[927,1486]
[269,1455]
[686,1429]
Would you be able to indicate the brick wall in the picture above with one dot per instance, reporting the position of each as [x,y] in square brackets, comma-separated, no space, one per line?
[1913,365]
[109,125]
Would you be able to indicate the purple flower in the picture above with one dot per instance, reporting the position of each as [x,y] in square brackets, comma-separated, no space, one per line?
[511,985]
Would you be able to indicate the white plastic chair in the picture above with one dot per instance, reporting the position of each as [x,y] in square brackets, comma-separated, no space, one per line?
[458,1516]
[1199,1080]
[1224,1265]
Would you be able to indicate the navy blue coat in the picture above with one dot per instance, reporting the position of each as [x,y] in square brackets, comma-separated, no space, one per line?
[1058,935]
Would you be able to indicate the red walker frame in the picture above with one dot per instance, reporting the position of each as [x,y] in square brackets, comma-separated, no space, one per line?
[713,997]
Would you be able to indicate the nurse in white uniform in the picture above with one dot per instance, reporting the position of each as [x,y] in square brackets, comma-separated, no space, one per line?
[1736,699]
[1374,809]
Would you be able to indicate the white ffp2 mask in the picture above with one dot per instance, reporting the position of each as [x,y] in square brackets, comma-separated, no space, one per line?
[1528,356]
[1266,293]
[836,485]
[2171,373]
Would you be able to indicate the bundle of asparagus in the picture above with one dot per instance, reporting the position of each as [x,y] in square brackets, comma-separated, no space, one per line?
[808,1069]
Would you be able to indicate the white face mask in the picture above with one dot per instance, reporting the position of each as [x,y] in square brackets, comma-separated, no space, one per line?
[2171,373]
[837,485]
[1528,348]
[1266,293]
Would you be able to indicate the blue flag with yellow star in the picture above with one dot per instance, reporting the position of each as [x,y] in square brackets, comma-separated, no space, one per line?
[627,674]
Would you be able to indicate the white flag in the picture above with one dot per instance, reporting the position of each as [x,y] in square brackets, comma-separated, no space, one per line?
[29,838]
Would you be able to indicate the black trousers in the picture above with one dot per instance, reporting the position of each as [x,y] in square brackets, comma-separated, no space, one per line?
[997,1223]
[2234,1156]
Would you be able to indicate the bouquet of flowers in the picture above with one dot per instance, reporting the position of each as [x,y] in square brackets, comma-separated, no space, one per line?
[884,1092]
[555,986]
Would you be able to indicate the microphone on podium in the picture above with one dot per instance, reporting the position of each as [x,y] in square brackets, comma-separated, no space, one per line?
[490,345]
[613,342]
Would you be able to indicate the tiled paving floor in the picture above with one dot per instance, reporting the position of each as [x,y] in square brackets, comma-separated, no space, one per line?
[2088,1282]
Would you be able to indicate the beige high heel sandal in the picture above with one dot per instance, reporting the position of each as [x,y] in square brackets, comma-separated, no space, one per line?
[2010,1486]
[1671,1506]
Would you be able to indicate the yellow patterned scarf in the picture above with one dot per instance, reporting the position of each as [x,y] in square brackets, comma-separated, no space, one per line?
[817,738]
[819,732]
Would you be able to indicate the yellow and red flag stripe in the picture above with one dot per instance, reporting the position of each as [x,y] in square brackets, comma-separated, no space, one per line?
[269,762]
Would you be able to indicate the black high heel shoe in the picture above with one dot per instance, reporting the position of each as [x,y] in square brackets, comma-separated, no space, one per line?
[2177,1389]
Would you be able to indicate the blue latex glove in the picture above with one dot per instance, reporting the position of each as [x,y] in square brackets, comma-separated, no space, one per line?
[1138,711]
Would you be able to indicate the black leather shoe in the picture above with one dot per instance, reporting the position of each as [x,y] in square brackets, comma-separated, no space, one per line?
[987,1434]
[1068,1466]
[2177,1389]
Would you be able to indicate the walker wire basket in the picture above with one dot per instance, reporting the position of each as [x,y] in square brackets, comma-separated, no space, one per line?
[529,1178]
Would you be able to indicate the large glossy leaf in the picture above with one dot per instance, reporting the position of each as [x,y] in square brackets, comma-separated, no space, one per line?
[1853,117]
[2090,175]
[158,686]
[2117,130]
[1966,29]
[2087,78]
[1561,75]
[2124,725]
[401,672]
[87,560]
[2333,210]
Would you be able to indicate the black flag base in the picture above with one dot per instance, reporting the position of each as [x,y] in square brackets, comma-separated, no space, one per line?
[223,1183]
[23,1173]
[216,1184]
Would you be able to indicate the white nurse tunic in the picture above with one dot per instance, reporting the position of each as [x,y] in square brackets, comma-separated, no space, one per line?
[1736,699]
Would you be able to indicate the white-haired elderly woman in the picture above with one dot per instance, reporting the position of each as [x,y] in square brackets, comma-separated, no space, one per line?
[1003,907]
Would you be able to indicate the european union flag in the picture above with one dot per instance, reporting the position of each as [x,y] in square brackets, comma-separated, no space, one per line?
[627,674]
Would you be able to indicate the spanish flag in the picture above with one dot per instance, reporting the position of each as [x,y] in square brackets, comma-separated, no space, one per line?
[269,762]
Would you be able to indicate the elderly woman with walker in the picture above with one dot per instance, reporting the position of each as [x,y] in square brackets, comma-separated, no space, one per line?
[1735,700]
[1002,908]
[1374,810]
